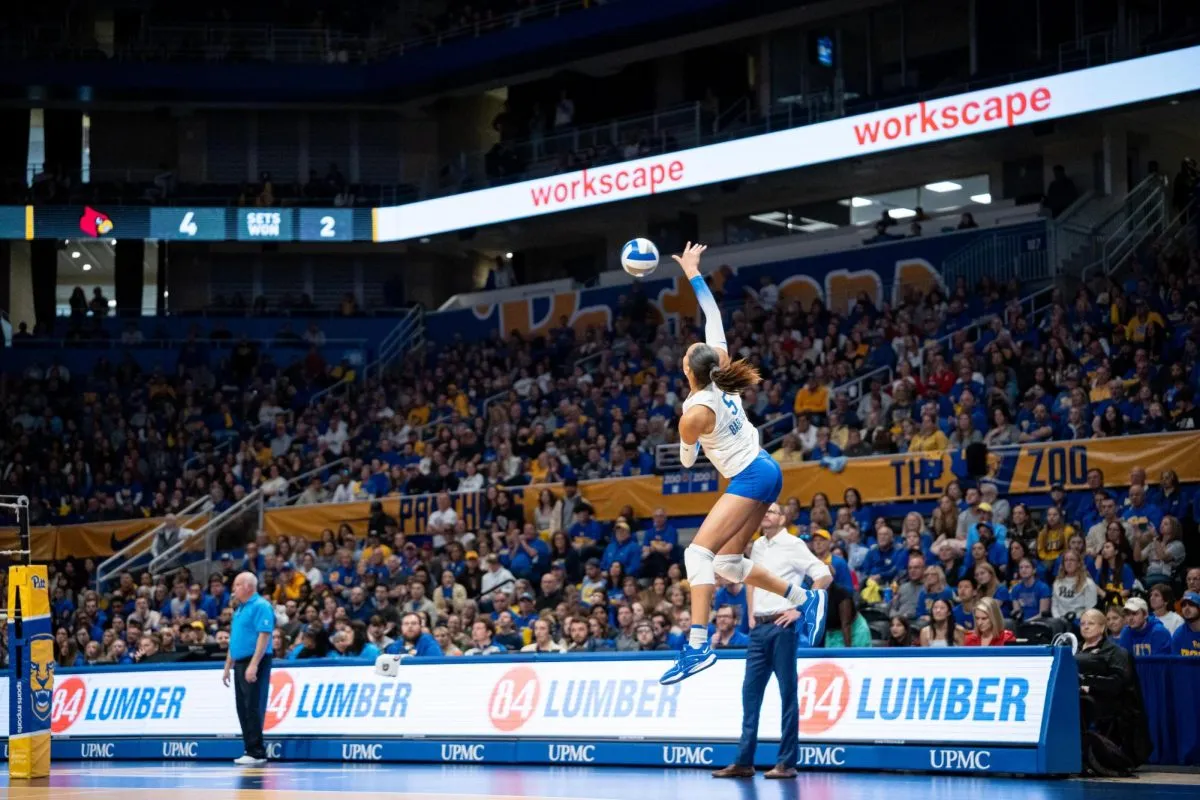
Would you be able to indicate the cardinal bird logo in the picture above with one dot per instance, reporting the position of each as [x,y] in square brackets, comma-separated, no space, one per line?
[95,223]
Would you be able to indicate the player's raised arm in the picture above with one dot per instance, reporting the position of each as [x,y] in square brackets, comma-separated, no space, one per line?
[714,328]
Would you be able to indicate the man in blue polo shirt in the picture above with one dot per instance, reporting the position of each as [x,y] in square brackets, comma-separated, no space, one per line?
[884,562]
[413,641]
[249,660]
[622,548]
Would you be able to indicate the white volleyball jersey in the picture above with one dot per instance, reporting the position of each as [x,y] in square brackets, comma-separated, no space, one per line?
[733,442]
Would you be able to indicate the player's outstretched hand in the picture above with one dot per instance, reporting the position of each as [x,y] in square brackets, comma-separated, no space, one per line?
[690,259]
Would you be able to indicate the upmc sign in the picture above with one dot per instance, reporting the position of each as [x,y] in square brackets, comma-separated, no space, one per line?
[950,700]
[1053,97]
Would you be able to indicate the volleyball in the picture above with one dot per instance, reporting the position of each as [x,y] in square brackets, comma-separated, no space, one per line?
[639,257]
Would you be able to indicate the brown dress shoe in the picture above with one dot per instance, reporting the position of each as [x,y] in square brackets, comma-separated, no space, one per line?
[734,771]
[780,772]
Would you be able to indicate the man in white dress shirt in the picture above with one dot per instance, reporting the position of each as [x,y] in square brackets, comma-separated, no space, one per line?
[774,639]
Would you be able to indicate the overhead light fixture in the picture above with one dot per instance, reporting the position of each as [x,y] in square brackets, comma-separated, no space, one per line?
[901,213]
[984,198]
[87,267]
[943,186]
[809,225]
[773,218]
[166,292]
[113,242]
[860,202]
[508,256]
[75,254]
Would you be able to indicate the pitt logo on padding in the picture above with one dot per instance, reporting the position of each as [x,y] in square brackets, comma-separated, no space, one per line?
[41,674]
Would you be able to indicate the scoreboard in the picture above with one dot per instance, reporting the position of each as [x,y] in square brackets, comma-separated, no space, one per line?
[184,224]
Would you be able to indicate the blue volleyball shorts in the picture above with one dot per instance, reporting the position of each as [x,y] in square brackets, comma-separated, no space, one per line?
[761,480]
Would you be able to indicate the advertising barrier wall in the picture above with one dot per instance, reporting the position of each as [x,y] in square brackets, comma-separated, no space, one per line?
[1011,710]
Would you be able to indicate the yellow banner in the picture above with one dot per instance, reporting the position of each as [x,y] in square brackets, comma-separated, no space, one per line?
[411,515]
[89,540]
[883,479]
[924,476]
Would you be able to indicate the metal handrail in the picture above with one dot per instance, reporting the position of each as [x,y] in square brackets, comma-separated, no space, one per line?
[408,334]
[207,529]
[495,398]
[770,444]
[296,481]
[330,391]
[225,445]
[861,380]
[586,363]
[119,561]
[429,430]
[1178,224]
[979,324]
[1137,225]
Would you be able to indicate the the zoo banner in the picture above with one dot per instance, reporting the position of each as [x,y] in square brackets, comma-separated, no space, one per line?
[1031,469]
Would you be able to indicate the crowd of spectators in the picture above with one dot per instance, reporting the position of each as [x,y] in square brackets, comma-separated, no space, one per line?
[971,573]
[1119,357]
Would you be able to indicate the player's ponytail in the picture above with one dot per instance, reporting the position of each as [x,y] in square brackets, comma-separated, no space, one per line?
[736,377]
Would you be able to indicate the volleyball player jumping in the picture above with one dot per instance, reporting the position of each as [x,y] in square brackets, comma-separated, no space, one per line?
[713,419]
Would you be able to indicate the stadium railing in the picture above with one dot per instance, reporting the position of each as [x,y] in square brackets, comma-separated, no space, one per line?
[195,513]
[407,336]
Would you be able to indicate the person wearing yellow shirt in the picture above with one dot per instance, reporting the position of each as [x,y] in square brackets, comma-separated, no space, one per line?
[539,467]
[812,397]
[789,451]
[291,582]
[1052,539]
[1101,390]
[929,439]
[1142,326]
[418,415]
[458,400]
[373,545]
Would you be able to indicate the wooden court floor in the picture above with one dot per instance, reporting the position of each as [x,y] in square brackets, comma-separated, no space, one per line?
[310,781]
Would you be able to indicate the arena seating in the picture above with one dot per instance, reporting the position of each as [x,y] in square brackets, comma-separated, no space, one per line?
[116,441]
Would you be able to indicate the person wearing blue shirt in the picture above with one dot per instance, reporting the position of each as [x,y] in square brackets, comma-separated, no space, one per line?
[344,575]
[660,546]
[883,561]
[1186,639]
[726,636]
[526,613]
[1143,634]
[529,556]
[983,512]
[216,598]
[585,532]
[1029,594]
[413,641]
[734,596]
[933,588]
[964,609]
[249,661]
[622,548]
[1140,512]
[820,543]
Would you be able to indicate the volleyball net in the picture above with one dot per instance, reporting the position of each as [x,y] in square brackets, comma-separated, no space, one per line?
[30,642]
